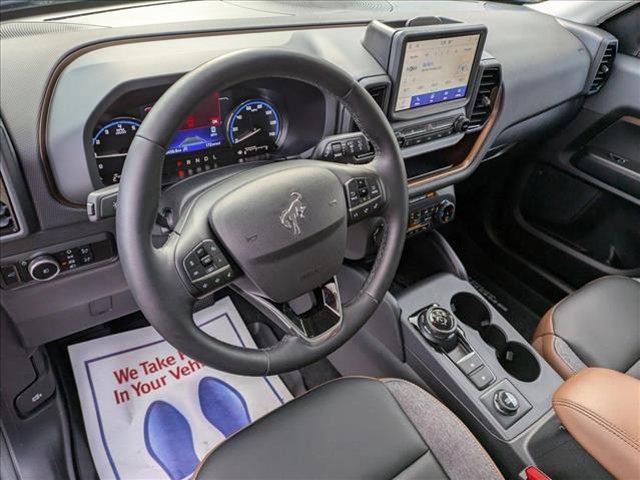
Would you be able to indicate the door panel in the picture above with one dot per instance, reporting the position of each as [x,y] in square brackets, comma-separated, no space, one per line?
[577,205]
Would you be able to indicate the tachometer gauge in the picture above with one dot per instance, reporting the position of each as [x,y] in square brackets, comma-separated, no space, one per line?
[254,127]
[110,145]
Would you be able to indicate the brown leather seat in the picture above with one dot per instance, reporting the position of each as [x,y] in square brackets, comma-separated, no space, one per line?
[596,326]
[600,410]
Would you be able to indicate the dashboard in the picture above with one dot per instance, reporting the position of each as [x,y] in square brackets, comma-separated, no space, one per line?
[474,76]
[248,123]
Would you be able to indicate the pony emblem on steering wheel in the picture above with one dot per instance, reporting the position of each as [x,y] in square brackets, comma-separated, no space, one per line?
[290,216]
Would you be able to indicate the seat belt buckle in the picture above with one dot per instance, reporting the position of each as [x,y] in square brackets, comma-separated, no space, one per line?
[533,473]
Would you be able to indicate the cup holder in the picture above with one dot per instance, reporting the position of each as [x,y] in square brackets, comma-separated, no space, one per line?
[519,362]
[470,310]
[493,336]
[516,359]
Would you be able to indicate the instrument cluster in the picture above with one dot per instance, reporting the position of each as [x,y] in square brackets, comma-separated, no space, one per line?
[246,124]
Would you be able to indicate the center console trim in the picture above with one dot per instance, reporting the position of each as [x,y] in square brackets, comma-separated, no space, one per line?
[472,156]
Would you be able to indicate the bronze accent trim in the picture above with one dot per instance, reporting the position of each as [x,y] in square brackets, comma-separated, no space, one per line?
[471,156]
[631,119]
[45,104]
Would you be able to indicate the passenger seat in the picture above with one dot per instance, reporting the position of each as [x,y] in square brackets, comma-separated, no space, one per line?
[596,326]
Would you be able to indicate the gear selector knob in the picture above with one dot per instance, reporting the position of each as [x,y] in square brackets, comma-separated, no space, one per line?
[438,326]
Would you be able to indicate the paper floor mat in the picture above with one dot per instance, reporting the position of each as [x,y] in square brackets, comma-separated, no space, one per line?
[152,413]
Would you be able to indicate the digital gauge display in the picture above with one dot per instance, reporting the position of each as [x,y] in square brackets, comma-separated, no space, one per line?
[254,127]
[222,130]
[110,145]
[201,130]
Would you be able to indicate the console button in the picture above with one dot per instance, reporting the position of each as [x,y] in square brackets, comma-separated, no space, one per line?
[10,275]
[470,363]
[482,378]
[35,395]
[505,402]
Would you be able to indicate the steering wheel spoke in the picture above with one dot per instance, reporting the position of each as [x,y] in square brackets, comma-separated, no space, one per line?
[313,317]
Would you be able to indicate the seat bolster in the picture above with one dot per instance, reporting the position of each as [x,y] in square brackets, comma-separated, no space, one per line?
[443,432]
[555,350]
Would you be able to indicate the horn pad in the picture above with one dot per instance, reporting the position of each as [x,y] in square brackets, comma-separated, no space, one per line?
[287,230]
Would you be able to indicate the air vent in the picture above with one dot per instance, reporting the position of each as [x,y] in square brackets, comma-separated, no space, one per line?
[8,222]
[489,82]
[604,68]
[379,94]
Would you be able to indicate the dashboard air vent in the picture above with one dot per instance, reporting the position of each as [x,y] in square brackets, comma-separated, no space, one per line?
[378,92]
[8,222]
[489,82]
[604,68]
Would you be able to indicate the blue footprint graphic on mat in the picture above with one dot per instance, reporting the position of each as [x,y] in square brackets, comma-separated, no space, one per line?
[224,407]
[169,441]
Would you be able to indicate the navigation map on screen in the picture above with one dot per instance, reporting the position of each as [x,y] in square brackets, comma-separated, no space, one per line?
[435,71]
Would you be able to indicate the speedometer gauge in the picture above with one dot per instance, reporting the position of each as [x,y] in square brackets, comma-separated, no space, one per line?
[254,127]
[110,145]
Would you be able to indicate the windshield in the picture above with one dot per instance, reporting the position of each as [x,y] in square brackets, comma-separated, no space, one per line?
[11,9]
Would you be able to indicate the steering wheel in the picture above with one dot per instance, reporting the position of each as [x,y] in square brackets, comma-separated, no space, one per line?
[275,233]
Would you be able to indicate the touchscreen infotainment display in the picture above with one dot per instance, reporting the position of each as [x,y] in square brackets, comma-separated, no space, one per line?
[435,71]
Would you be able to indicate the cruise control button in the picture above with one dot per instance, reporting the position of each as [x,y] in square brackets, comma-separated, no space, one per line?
[219,261]
[482,378]
[211,248]
[191,262]
[206,260]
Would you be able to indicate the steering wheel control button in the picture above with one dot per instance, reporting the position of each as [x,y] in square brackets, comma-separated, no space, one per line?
[505,402]
[364,197]
[207,267]
[470,363]
[482,378]
[43,268]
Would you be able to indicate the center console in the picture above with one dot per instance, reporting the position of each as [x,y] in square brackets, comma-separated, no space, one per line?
[458,341]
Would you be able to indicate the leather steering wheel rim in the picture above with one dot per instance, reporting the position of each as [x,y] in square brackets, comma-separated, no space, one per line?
[151,272]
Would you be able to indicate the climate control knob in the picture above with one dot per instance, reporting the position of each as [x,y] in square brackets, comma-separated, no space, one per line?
[43,268]
[461,124]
